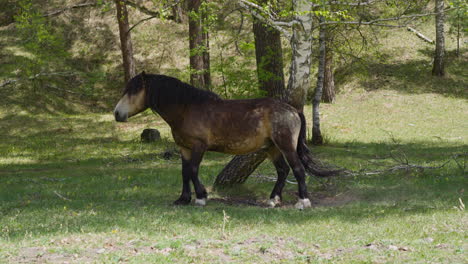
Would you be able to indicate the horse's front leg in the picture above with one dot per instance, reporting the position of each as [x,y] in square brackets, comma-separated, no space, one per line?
[195,156]
[186,195]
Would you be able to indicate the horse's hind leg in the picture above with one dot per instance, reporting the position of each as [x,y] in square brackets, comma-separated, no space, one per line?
[282,170]
[299,172]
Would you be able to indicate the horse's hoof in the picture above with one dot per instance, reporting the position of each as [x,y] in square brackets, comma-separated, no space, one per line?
[200,202]
[182,201]
[273,202]
[303,203]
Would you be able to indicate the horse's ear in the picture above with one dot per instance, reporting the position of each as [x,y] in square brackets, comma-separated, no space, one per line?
[143,74]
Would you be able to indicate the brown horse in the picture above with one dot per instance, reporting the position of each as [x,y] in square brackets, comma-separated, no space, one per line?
[201,121]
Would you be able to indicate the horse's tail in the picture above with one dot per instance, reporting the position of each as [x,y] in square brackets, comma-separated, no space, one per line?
[311,165]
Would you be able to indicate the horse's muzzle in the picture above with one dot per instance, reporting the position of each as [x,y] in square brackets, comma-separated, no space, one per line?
[120,117]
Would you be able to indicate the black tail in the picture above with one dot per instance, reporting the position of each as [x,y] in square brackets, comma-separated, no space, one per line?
[312,165]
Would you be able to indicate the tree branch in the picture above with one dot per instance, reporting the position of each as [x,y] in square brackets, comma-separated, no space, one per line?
[421,36]
[267,20]
[375,21]
[152,14]
[57,12]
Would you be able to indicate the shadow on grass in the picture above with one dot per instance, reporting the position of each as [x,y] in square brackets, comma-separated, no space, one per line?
[412,77]
[97,194]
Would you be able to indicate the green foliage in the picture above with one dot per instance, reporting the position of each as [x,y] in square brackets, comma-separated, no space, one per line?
[238,76]
[45,44]
[458,17]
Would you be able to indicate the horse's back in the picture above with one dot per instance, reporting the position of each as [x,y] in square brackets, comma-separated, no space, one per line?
[240,126]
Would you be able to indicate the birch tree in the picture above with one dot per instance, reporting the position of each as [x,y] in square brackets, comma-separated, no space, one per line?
[317,138]
[438,68]
[240,167]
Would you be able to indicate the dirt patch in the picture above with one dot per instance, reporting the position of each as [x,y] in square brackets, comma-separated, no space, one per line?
[317,200]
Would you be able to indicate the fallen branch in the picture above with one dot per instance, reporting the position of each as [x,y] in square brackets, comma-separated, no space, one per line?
[35,76]
[65,90]
[271,179]
[421,36]
[61,196]
[7,82]
[57,12]
[405,166]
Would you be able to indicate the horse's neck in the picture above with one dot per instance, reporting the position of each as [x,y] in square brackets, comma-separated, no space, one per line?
[173,115]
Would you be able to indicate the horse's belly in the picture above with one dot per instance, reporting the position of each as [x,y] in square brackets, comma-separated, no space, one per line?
[240,146]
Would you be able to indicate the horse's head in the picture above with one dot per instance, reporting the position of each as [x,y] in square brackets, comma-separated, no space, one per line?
[133,100]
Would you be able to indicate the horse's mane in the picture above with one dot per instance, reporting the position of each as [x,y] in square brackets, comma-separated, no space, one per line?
[163,90]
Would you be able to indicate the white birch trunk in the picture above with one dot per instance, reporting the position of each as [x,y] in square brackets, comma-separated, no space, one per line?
[301,45]
[439,66]
[316,133]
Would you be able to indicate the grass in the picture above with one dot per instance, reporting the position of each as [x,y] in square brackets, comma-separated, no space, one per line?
[83,188]
[77,187]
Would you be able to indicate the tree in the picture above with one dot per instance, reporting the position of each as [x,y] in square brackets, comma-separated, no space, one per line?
[301,45]
[439,57]
[328,95]
[240,167]
[199,44]
[269,58]
[125,40]
[317,138]
[458,19]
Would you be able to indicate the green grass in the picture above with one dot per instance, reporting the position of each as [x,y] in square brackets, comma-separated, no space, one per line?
[82,188]
[77,187]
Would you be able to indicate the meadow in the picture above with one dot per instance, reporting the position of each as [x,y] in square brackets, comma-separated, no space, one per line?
[77,187]
[82,188]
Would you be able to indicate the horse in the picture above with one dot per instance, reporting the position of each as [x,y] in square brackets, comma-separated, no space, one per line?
[201,121]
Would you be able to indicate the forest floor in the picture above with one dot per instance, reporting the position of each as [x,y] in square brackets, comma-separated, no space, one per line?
[81,188]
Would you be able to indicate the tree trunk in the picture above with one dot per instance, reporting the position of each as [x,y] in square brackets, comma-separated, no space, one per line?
[206,61]
[125,40]
[328,95]
[240,167]
[269,56]
[198,46]
[317,138]
[178,12]
[439,68]
[301,45]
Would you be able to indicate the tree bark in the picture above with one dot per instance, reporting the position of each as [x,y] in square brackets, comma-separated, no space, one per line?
[269,56]
[317,138]
[240,168]
[206,60]
[198,46]
[328,78]
[301,45]
[439,57]
[125,40]
[178,12]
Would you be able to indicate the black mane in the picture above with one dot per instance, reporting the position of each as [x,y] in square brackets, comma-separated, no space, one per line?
[164,90]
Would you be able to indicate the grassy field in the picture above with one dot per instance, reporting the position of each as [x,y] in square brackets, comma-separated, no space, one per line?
[76,187]
[82,188]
